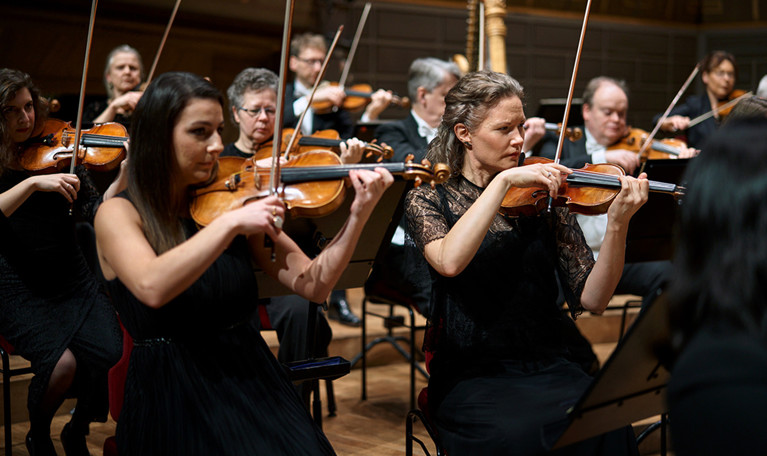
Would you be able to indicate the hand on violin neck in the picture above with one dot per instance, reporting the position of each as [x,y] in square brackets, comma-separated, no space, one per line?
[379,101]
[369,186]
[633,194]
[535,129]
[351,151]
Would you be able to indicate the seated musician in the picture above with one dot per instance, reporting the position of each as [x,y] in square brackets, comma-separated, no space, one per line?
[719,73]
[53,310]
[502,372]
[184,293]
[253,106]
[605,108]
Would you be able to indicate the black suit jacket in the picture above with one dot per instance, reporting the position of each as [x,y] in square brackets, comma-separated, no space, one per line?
[693,107]
[573,152]
[402,136]
[339,120]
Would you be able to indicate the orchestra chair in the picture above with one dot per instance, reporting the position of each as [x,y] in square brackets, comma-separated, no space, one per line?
[6,350]
[377,292]
[116,378]
[422,414]
[266,324]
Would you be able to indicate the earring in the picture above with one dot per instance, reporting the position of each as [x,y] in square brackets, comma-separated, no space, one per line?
[467,144]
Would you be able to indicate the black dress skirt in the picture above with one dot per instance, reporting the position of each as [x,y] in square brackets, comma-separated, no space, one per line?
[49,299]
[202,381]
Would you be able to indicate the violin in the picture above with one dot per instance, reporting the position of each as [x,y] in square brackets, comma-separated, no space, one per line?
[357,97]
[573,134]
[659,149]
[326,139]
[311,184]
[101,147]
[589,191]
[723,107]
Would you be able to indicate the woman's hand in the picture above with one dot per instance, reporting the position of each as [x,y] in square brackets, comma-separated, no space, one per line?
[633,194]
[126,102]
[265,215]
[351,151]
[66,184]
[369,186]
[549,176]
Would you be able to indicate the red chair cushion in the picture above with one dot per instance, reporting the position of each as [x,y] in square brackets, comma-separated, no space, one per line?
[117,375]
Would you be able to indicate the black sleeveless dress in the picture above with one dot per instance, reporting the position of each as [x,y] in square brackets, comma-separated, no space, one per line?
[504,370]
[201,381]
[49,299]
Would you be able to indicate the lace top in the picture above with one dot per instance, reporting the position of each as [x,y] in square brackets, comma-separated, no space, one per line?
[503,306]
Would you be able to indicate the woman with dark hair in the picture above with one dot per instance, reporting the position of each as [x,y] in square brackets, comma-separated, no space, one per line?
[201,381]
[52,309]
[719,74]
[717,395]
[502,372]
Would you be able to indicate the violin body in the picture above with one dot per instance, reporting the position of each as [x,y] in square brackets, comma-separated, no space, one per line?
[587,200]
[311,184]
[589,191]
[322,139]
[357,97]
[101,147]
[724,111]
[659,150]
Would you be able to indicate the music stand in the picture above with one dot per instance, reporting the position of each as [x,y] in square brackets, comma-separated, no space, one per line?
[651,231]
[630,387]
[312,235]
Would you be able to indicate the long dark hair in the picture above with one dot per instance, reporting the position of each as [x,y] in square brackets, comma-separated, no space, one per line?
[11,81]
[468,103]
[152,164]
[720,264]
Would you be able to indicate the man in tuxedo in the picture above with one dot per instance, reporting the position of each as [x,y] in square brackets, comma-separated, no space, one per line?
[429,80]
[605,108]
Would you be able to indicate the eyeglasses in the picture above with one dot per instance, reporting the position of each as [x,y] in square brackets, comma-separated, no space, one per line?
[311,62]
[269,111]
[722,73]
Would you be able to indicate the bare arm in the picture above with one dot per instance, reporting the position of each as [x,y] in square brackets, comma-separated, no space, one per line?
[66,184]
[600,284]
[314,279]
[155,280]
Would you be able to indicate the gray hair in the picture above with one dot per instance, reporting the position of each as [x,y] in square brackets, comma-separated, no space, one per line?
[254,79]
[428,73]
[468,103]
[761,91]
[110,58]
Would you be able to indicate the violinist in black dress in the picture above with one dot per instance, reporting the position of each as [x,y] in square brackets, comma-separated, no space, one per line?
[52,308]
[201,380]
[502,372]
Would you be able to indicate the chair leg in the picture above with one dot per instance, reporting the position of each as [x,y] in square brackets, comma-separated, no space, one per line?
[364,349]
[331,398]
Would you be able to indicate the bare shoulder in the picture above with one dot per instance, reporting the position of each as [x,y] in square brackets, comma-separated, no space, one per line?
[116,212]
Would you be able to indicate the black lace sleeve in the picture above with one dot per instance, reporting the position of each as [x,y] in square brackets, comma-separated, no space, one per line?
[88,198]
[425,218]
[575,258]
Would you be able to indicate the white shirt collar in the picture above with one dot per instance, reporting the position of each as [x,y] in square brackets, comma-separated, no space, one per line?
[424,130]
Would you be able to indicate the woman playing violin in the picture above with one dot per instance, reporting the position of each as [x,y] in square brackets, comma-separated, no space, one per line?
[123,73]
[253,103]
[719,74]
[52,308]
[184,293]
[502,369]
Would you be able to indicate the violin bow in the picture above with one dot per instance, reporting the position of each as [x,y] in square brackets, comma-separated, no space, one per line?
[162,42]
[643,151]
[274,174]
[81,102]
[300,122]
[705,116]
[353,48]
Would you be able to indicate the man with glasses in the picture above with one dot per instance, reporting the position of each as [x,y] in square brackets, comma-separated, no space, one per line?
[719,73]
